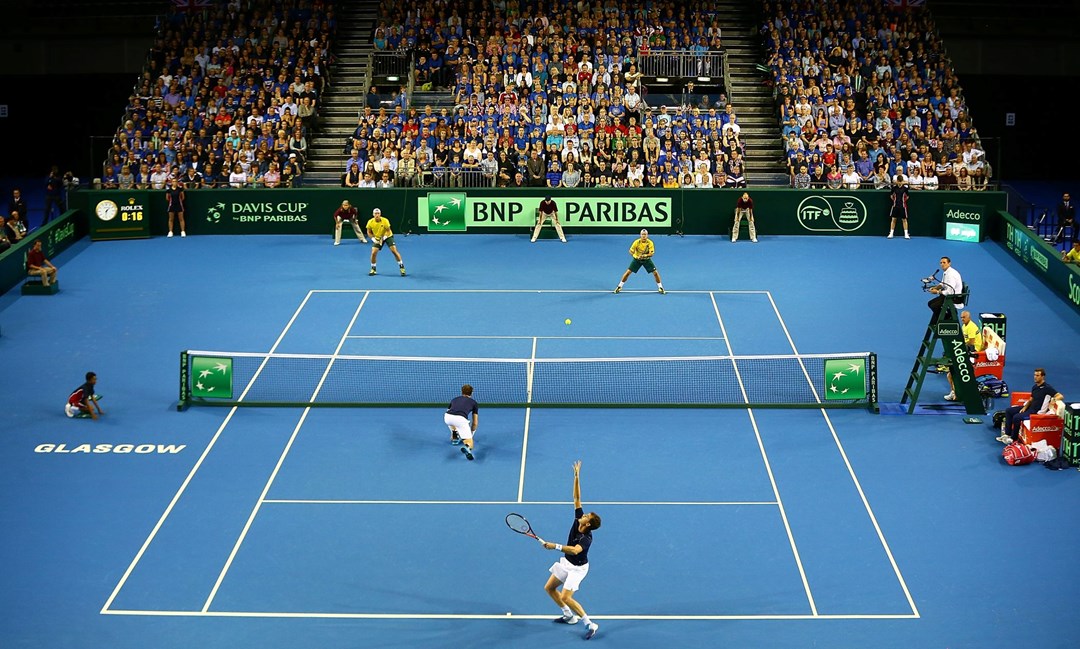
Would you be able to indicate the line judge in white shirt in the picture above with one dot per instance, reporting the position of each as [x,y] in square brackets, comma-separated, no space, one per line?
[951,287]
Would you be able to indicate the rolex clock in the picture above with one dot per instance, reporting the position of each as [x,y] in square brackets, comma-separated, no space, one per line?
[120,214]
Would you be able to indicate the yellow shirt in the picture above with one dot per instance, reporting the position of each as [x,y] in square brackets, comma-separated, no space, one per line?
[642,249]
[379,229]
[1072,255]
[971,330]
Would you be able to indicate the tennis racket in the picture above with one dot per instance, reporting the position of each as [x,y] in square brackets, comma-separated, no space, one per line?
[518,523]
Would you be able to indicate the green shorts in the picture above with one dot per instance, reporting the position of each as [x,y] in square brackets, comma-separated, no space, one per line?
[388,241]
[635,264]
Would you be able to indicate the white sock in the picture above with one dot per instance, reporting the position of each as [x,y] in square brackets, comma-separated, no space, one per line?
[586,620]
[659,285]
[620,284]
[566,611]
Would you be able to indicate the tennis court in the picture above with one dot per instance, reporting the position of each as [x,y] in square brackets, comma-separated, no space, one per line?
[347,527]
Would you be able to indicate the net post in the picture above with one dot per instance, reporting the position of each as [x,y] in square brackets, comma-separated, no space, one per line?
[871,375]
[185,395]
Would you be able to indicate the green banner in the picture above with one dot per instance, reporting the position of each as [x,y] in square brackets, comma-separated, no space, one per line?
[778,211]
[964,221]
[1042,259]
[121,215]
[55,238]
[458,212]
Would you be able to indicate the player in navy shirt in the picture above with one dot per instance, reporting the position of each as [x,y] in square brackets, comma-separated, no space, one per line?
[462,426]
[570,570]
[898,199]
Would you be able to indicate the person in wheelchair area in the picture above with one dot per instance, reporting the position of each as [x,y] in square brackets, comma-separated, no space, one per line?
[973,339]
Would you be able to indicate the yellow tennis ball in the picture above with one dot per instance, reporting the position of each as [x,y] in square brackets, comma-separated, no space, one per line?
[567,321]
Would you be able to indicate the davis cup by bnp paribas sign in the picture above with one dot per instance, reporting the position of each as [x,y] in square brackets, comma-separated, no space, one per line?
[459,212]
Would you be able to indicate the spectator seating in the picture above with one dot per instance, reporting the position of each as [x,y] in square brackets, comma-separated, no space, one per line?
[232,89]
[871,77]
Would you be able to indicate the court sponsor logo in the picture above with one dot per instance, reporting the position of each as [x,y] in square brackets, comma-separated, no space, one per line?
[137,449]
[964,212]
[948,329]
[211,377]
[960,360]
[1074,290]
[60,237]
[831,213]
[446,212]
[845,378]
[1039,259]
[458,212]
[280,212]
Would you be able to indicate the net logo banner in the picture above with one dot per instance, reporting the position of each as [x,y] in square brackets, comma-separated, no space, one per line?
[459,212]
[828,213]
[211,377]
[845,378]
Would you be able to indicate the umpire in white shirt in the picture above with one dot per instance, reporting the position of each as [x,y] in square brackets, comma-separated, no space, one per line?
[951,287]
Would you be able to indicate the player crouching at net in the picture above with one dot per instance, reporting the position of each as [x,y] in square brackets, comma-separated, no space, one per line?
[83,401]
[462,417]
[347,213]
[381,235]
[570,570]
[642,251]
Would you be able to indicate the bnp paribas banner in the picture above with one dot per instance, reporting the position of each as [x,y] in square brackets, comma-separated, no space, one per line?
[1042,259]
[459,212]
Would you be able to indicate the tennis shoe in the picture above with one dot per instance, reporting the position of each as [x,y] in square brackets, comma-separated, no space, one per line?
[890,236]
[753,240]
[593,628]
[183,234]
[572,619]
[169,235]
[371,272]
[618,289]
[907,236]
[337,243]
[402,269]
[455,439]
[1005,439]
[661,290]
[950,396]
[468,452]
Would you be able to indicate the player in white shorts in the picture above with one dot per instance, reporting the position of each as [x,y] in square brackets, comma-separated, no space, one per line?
[462,417]
[569,571]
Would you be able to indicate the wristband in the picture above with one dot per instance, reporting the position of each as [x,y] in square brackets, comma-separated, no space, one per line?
[558,547]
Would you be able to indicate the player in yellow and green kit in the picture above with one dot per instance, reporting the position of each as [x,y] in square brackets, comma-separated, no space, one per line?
[378,229]
[642,251]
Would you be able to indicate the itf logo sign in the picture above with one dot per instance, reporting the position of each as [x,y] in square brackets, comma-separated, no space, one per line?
[831,213]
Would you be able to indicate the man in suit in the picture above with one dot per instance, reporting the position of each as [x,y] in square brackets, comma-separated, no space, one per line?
[1066,216]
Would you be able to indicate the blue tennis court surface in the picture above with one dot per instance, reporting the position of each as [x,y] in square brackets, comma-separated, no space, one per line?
[345,527]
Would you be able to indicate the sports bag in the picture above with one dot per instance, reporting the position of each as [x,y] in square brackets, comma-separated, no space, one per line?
[999,419]
[1017,454]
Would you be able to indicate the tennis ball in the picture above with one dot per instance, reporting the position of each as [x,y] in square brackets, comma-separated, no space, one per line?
[567,321]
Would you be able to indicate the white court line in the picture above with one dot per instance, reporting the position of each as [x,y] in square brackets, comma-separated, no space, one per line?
[768,466]
[635,503]
[528,417]
[481,616]
[281,460]
[198,463]
[519,290]
[851,472]
[404,337]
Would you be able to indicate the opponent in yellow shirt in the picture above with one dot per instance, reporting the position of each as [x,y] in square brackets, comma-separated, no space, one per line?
[381,235]
[1073,254]
[642,251]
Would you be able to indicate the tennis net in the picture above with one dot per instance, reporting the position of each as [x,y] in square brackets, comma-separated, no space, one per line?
[779,381]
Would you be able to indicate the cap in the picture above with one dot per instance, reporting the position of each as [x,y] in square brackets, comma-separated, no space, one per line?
[376,211]
[644,231]
[292,155]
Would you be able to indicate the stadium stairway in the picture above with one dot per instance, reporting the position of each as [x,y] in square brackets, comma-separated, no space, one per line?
[749,93]
[344,97]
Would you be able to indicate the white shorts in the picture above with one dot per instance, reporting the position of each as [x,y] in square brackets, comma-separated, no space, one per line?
[570,575]
[459,425]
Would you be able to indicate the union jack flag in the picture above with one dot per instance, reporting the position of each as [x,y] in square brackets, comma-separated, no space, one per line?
[905,4]
[192,5]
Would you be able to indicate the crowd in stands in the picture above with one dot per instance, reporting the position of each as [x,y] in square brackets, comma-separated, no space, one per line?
[866,94]
[228,97]
[547,94]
